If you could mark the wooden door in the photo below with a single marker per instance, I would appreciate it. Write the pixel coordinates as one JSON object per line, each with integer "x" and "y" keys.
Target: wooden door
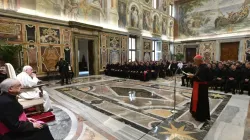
{"x": 229, "y": 51}
{"x": 190, "y": 54}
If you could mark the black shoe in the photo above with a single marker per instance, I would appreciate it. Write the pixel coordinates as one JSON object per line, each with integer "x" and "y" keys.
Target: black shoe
{"x": 241, "y": 92}
{"x": 182, "y": 85}
{"x": 226, "y": 91}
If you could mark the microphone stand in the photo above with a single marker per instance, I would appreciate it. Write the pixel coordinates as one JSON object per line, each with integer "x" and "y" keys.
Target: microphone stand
{"x": 174, "y": 110}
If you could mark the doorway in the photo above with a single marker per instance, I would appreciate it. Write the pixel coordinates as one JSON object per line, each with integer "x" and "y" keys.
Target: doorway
{"x": 229, "y": 51}
{"x": 85, "y": 57}
{"x": 190, "y": 54}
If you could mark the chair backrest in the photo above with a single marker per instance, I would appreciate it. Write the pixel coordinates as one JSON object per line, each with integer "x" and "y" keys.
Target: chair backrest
{"x": 10, "y": 71}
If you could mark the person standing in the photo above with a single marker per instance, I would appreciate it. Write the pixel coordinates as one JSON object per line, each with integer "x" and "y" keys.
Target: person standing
{"x": 63, "y": 67}
{"x": 199, "y": 107}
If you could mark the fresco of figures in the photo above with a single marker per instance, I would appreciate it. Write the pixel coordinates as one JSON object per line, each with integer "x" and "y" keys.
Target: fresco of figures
{"x": 146, "y": 20}
{"x": 206, "y": 17}
{"x": 122, "y": 22}
{"x": 125, "y": 14}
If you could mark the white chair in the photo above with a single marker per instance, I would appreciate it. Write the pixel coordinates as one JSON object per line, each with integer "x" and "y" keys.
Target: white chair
{"x": 37, "y": 103}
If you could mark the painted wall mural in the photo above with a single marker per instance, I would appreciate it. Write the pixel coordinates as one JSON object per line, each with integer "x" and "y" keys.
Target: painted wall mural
{"x": 36, "y": 39}
{"x": 147, "y": 50}
{"x": 125, "y": 14}
{"x": 146, "y": 20}
{"x": 50, "y": 56}
{"x": 165, "y": 51}
{"x": 156, "y": 24}
{"x": 49, "y": 35}
{"x": 113, "y": 49}
{"x": 32, "y": 57}
{"x": 122, "y": 8}
{"x": 207, "y": 49}
{"x": 134, "y": 16}
{"x": 210, "y": 17}
{"x": 11, "y": 31}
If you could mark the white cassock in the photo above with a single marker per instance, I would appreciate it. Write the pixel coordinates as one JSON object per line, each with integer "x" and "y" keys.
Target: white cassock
{"x": 33, "y": 93}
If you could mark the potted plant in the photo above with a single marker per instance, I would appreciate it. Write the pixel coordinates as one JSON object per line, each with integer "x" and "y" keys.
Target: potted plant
{"x": 10, "y": 53}
{"x": 179, "y": 57}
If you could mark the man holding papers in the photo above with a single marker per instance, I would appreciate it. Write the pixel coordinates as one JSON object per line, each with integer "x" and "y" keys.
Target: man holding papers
{"x": 199, "y": 107}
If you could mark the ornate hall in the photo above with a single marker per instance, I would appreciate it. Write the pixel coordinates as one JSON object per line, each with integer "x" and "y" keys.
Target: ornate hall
{"x": 124, "y": 69}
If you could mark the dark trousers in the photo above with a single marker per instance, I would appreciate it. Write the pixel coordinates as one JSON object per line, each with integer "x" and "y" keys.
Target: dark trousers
{"x": 230, "y": 85}
{"x": 38, "y": 134}
{"x": 183, "y": 78}
{"x": 244, "y": 85}
{"x": 64, "y": 75}
{"x": 219, "y": 83}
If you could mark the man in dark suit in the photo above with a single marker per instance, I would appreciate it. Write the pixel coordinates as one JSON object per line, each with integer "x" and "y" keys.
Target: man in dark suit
{"x": 231, "y": 79}
{"x": 14, "y": 125}
{"x": 63, "y": 67}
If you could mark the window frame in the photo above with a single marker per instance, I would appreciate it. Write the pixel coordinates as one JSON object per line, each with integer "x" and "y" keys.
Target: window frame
{"x": 132, "y": 49}
{"x": 170, "y": 10}
{"x": 155, "y": 51}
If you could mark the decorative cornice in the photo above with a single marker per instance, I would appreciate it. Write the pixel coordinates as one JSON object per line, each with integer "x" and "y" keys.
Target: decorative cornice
{"x": 22, "y": 16}
{"x": 74, "y": 24}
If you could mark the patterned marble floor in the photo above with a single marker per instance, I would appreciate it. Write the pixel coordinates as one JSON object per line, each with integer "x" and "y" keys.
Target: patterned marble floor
{"x": 115, "y": 108}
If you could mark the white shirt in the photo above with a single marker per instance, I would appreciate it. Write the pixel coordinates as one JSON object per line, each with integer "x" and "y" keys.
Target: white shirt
{"x": 180, "y": 65}
{"x": 26, "y": 80}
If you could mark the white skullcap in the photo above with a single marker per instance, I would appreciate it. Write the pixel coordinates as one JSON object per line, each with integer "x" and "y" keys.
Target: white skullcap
{"x": 25, "y": 68}
{"x": 7, "y": 83}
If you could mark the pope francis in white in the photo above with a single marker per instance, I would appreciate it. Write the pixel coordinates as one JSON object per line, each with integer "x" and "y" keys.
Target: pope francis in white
{"x": 28, "y": 79}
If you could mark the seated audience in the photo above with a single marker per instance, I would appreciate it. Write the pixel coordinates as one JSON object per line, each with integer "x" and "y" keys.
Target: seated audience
{"x": 231, "y": 79}
{"x": 219, "y": 78}
{"x": 245, "y": 77}
{"x": 28, "y": 79}
{"x": 14, "y": 125}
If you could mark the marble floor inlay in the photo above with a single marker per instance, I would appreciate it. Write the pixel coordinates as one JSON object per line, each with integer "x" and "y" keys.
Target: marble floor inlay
{"x": 146, "y": 106}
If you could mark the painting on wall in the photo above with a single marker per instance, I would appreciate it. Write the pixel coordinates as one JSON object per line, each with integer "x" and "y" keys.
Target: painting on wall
{"x": 124, "y": 43}
{"x": 122, "y": 22}
{"x": 9, "y": 4}
{"x": 134, "y": 11}
{"x": 32, "y": 57}
{"x": 124, "y": 56}
{"x": 114, "y": 42}
{"x": 30, "y": 33}
{"x": 104, "y": 58}
{"x": 49, "y": 35}
{"x": 10, "y": 31}
{"x": 164, "y": 26}
{"x": 147, "y": 56}
{"x": 66, "y": 36}
{"x": 205, "y": 17}
{"x": 50, "y": 56}
{"x": 156, "y": 24}
{"x": 114, "y": 56}
{"x": 146, "y": 20}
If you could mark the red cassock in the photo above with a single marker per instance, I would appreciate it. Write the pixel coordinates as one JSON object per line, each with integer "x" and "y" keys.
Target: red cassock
{"x": 199, "y": 106}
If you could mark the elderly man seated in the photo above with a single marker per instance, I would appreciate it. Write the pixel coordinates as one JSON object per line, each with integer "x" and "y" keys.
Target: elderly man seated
{"x": 14, "y": 125}
{"x": 28, "y": 79}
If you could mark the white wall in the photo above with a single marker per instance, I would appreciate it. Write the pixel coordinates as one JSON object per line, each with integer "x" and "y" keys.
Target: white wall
{"x": 83, "y": 50}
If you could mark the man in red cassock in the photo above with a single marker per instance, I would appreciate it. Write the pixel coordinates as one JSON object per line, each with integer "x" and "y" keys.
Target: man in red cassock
{"x": 199, "y": 107}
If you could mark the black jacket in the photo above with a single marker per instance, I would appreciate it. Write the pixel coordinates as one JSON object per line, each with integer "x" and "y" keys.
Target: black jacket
{"x": 10, "y": 110}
